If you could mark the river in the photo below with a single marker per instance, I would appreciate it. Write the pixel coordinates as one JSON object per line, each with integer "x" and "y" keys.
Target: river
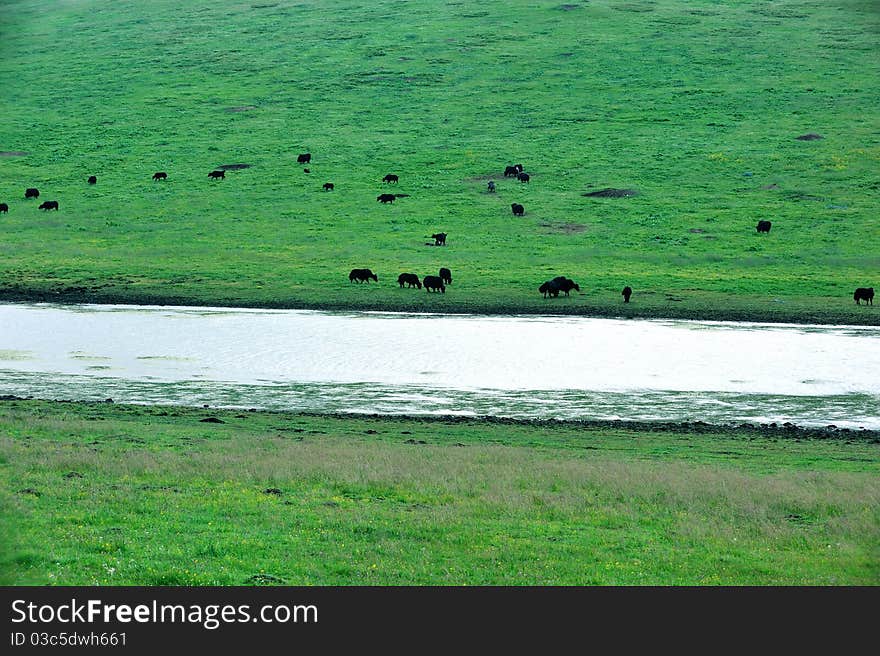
{"x": 513, "y": 366}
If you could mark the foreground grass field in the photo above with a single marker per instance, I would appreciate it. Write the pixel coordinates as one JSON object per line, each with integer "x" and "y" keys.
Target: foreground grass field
{"x": 109, "y": 494}
{"x": 696, "y": 105}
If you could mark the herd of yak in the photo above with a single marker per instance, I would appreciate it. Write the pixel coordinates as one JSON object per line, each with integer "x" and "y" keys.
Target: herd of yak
{"x": 550, "y": 288}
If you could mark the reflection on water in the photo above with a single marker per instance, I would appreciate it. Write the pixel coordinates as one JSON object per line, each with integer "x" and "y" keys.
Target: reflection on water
{"x": 522, "y": 367}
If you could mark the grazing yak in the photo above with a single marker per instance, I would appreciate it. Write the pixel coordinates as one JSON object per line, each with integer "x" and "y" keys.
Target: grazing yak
{"x": 409, "y": 279}
{"x": 565, "y": 284}
{"x": 31, "y": 192}
{"x": 4, "y": 208}
{"x": 434, "y": 283}
{"x": 93, "y": 179}
{"x": 864, "y": 293}
{"x": 439, "y": 239}
{"x": 549, "y": 288}
{"x": 362, "y": 275}
{"x": 305, "y": 158}
{"x": 763, "y": 226}
{"x": 446, "y": 275}
{"x": 385, "y": 198}
{"x": 518, "y": 209}
{"x": 523, "y": 177}
{"x": 216, "y": 175}
{"x": 627, "y": 292}
{"x": 328, "y": 186}
{"x": 509, "y": 171}
{"x": 160, "y": 175}
{"x": 49, "y": 205}
{"x": 491, "y": 187}
{"x": 390, "y": 178}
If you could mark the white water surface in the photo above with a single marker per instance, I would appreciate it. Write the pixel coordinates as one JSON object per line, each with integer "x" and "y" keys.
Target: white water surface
{"x": 518, "y": 366}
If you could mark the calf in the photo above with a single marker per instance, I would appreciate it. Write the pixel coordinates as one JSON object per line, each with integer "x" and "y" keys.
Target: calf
{"x": 217, "y": 175}
{"x": 160, "y": 175}
{"x": 549, "y": 288}
{"x": 93, "y": 179}
{"x": 434, "y": 283}
{"x": 864, "y": 293}
{"x": 390, "y": 178}
{"x": 305, "y": 158}
{"x": 385, "y": 198}
{"x": 439, "y": 239}
{"x": 408, "y": 279}
{"x": 446, "y": 275}
{"x": 763, "y": 226}
{"x": 518, "y": 209}
{"x": 49, "y": 205}
{"x": 31, "y": 192}
{"x": 523, "y": 177}
{"x": 491, "y": 186}
{"x": 362, "y": 275}
{"x": 328, "y": 186}
{"x": 627, "y": 292}
{"x": 4, "y": 208}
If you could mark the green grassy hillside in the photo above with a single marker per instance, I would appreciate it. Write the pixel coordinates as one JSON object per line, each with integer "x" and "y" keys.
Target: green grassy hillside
{"x": 696, "y": 105}
{"x": 104, "y": 494}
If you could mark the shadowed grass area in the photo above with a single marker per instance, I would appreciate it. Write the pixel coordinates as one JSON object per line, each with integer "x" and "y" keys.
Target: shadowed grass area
{"x": 696, "y": 105}
{"x": 108, "y": 494}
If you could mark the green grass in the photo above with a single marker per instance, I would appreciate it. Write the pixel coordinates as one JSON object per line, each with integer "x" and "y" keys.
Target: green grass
{"x": 109, "y": 494}
{"x": 695, "y": 104}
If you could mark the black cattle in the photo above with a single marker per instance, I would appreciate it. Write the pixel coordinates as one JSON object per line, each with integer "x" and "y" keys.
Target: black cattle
{"x": 305, "y": 158}
{"x": 4, "y": 208}
{"x": 439, "y": 239}
{"x": 306, "y": 171}
{"x": 49, "y": 205}
{"x": 549, "y": 288}
{"x": 763, "y": 226}
{"x": 92, "y": 179}
{"x": 160, "y": 175}
{"x": 517, "y": 209}
{"x": 446, "y": 275}
{"x": 408, "y": 279}
{"x": 362, "y": 275}
{"x": 216, "y": 175}
{"x": 523, "y": 177}
{"x": 328, "y": 186}
{"x": 510, "y": 171}
{"x": 31, "y": 192}
{"x": 385, "y": 198}
{"x": 565, "y": 284}
{"x": 491, "y": 187}
{"x": 434, "y": 283}
{"x": 390, "y": 178}
{"x": 864, "y": 294}
{"x": 627, "y": 292}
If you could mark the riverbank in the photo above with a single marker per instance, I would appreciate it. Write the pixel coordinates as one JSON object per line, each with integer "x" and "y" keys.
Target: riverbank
{"x": 687, "y": 306}
{"x": 103, "y": 493}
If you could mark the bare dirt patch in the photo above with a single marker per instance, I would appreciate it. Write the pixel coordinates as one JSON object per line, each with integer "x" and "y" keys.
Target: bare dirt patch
{"x": 233, "y": 167}
{"x": 13, "y": 153}
{"x": 562, "y": 227}
{"x": 810, "y": 136}
{"x": 241, "y": 108}
{"x": 611, "y": 192}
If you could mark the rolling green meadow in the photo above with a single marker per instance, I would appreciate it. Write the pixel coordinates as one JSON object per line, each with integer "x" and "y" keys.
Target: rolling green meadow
{"x": 696, "y": 105}
{"x": 106, "y": 494}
